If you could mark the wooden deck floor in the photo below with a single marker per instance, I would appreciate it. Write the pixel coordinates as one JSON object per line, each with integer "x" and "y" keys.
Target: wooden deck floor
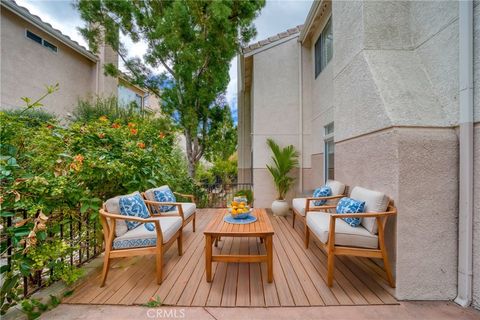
{"x": 299, "y": 275}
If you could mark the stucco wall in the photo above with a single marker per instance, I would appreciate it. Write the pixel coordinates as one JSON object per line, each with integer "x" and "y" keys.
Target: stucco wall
{"x": 400, "y": 75}
{"x": 27, "y": 67}
{"x": 275, "y": 111}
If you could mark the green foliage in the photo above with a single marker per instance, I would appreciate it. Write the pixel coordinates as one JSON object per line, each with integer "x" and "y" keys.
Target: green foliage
{"x": 284, "y": 160}
{"x": 154, "y": 302}
{"x": 245, "y": 193}
{"x": 47, "y": 169}
{"x": 33, "y": 308}
{"x": 88, "y": 110}
{"x": 193, "y": 41}
{"x": 220, "y": 172}
{"x": 222, "y": 133}
{"x": 36, "y": 116}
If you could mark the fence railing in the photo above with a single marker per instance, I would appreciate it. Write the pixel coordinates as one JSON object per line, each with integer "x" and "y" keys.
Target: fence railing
{"x": 220, "y": 195}
{"x": 79, "y": 231}
{"x": 82, "y": 232}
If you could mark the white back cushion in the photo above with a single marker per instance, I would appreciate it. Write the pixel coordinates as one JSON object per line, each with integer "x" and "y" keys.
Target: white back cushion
{"x": 375, "y": 201}
{"x": 337, "y": 187}
{"x": 113, "y": 206}
{"x": 149, "y": 194}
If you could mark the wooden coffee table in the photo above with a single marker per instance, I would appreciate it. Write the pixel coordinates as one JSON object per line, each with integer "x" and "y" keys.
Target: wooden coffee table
{"x": 262, "y": 228}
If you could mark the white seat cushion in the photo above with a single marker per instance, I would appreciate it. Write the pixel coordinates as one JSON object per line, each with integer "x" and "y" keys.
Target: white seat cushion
{"x": 299, "y": 205}
{"x": 345, "y": 235}
{"x": 141, "y": 237}
{"x": 375, "y": 201}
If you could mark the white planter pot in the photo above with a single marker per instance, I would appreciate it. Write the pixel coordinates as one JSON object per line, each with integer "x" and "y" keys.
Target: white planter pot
{"x": 280, "y": 208}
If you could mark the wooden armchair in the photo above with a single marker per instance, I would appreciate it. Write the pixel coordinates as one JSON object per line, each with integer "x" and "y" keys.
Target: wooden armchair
{"x": 139, "y": 241}
{"x": 186, "y": 210}
{"x": 362, "y": 241}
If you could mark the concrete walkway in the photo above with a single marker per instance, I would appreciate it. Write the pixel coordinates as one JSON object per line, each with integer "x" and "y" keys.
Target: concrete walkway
{"x": 418, "y": 310}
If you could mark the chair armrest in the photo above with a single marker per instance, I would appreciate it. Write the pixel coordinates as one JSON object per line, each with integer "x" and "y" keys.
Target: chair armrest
{"x": 325, "y": 198}
{"x": 128, "y": 218}
{"x": 363, "y": 214}
{"x": 188, "y": 196}
{"x": 315, "y": 208}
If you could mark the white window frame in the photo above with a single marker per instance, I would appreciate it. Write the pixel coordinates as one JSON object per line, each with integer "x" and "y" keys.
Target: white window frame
{"x": 328, "y": 137}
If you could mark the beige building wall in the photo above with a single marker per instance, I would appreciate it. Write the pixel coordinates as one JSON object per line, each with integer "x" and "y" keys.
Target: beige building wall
{"x": 275, "y": 111}
{"x": 391, "y": 90}
{"x": 27, "y": 67}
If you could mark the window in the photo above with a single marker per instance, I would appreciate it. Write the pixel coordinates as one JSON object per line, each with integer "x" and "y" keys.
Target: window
{"x": 49, "y": 46}
{"x": 128, "y": 98}
{"x": 32, "y": 36}
{"x": 324, "y": 48}
{"x": 329, "y": 153}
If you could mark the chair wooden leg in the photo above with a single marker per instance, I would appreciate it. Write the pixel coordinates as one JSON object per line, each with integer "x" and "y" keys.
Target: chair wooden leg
{"x": 180, "y": 243}
{"x": 159, "y": 261}
{"x": 293, "y": 220}
{"x": 388, "y": 268}
{"x": 307, "y": 236}
{"x": 193, "y": 222}
{"x": 106, "y": 266}
{"x": 331, "y": 268}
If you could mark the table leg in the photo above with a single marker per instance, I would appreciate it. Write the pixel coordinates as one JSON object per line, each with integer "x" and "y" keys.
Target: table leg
{"x": 208, "y": 257}
{"x": 269, "y": 247}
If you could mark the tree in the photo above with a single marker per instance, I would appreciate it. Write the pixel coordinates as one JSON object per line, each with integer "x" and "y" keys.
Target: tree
{"x": 222, "y": 137}
{"x": 193, "y": 41}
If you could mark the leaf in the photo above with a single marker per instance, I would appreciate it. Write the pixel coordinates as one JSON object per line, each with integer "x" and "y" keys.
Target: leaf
{"x": 25, "y": 268}
{"x": 6, "y": 214}
{"x": 68, "y": 293}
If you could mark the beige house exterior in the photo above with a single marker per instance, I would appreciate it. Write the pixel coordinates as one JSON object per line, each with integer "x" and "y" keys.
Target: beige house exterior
{"x": 385, "y": 108}
{"x": 34, "y": 55}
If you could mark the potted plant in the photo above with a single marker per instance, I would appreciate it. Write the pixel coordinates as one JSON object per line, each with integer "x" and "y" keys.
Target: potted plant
{"x": 284, "y": 160}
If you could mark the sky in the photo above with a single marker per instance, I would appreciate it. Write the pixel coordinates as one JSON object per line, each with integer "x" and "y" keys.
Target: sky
{"x": 277, "y": 16}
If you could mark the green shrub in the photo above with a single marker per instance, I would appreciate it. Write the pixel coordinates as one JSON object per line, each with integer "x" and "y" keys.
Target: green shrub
{"x": 46, "y": 168}
{"x": 91, "y": 110}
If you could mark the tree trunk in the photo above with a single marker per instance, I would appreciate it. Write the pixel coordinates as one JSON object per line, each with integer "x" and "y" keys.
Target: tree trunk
{"x": 190, "y": 155}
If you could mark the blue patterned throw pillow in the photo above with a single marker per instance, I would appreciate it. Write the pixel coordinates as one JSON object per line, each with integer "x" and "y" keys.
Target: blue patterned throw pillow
{"x": 349, "y": 205}
{"x": 149, "y": 226}
{"x": 165, "y": 195}
{"x": 323, "y": 191}
{"x": 133, "y": 206}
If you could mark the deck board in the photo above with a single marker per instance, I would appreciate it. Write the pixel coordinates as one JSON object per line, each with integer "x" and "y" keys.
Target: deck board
{"x": 299, "y": 275}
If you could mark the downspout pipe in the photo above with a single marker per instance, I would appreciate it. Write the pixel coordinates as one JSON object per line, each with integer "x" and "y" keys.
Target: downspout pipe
{"x": 465, "y": 219}
{"x": 300, "y": 118}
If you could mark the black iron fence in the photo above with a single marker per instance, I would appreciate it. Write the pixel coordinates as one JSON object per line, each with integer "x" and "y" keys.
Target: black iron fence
{"x": 83, "y": 234}
{"x": 79, "y": 231}
{"x": 220, "y": 195}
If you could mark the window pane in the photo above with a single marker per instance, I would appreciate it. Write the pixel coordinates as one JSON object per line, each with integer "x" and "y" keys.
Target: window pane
{"x": 327, "y": 44}
{"x": 34, "y": 37}
{"x": 330, "y": 158}
{"x": 49, "y": 45}
{"x": 318, "y": 56}
{"x": 329, "y": 128}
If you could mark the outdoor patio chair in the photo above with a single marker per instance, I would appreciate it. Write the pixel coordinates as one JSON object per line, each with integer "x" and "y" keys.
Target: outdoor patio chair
{"x": 139, "y": 233}
{"x": 186, "y": 210}
{"x": 365, "y": 240}
{"x": 302, "y": 205}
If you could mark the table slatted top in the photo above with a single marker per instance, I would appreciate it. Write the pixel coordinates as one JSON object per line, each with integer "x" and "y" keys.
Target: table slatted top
{"x": 260, "y": 227}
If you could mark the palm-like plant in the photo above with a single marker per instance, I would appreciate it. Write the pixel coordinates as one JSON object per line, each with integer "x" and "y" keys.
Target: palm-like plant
{"x": 284, "y": 160}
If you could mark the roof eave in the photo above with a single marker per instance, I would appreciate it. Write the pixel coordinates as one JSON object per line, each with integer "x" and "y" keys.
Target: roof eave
{"x": 309, "y": 20}
{"x": 26, "y": 15}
